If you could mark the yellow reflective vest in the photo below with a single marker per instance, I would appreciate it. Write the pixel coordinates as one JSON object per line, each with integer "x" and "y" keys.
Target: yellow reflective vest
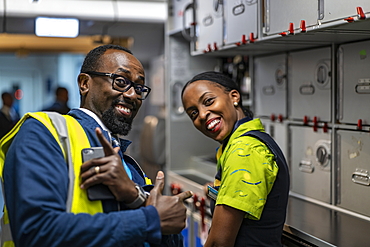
{"x": 72, "y": 139}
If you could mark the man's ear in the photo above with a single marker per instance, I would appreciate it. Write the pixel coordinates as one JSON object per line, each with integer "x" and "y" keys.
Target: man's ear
{"x": 83, "y": 83}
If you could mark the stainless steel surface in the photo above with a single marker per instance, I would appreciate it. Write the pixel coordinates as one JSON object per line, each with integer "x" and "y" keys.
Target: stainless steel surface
{"x": 270, "y": 85}
{"x": 309, "y": 176}
{"x": 326, "y": 226}
{"x": 354, "y": 170}
{"x": 209, "y": 19}
{"x": 279, "y": 17}
{"x": 241, "y": 18}
{"x": 310, "y": 84}
{"x": 354, "y": 80}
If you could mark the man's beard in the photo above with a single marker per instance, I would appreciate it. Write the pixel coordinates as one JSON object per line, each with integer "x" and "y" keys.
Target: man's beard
{"x": 116, "y": 123}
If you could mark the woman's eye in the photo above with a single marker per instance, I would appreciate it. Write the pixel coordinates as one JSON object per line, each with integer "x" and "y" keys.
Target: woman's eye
{"x": 193, "y": 114}
{"x": 208, "y": 101}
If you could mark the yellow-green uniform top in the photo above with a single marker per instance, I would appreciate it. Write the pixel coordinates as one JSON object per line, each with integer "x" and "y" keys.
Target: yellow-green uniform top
{"x": 248, "y": 171}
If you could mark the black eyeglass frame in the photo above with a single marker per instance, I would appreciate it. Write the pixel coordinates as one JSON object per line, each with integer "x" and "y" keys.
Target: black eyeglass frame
{"x": 131, "y": 83}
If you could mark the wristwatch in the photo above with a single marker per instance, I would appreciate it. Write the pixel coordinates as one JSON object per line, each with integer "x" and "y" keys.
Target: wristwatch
{"x": 141, "y": 198}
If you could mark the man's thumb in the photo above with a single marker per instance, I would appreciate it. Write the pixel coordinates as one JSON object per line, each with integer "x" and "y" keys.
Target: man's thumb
{"x": 159, "y": 182}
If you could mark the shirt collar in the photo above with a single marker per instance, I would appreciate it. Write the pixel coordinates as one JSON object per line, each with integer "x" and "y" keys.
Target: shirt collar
{"x": 124, "y": 142}
{"x": 94, "y": 116}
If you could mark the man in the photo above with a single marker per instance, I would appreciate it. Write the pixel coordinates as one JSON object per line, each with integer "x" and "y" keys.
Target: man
{"x": 8, "y": 116}
{"x": 61, "y": 101}
{"x": 36, "y": 175}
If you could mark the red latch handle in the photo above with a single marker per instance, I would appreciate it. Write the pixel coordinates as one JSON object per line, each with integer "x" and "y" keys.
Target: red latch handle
{"x": 280, "y": 117}
{"x": 272, "y": 117}
{"x": 291, "y": 28}
{"x": 251, "y": 38}
{"x": 305, "y": 120}
{"x": 359, "y": 124}
{"x": 315, "y": 123}
{"x": 303, "y": 26}
{"x": 360, "y": 13}
{"x": 215, "y": 48}
{"x": 349, "y": 19}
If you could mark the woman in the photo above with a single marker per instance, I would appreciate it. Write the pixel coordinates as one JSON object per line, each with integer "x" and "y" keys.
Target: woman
{"x": 251, "y": 183}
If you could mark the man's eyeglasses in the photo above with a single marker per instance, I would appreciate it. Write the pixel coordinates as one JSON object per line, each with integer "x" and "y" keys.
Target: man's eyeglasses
{"x": 123, "y": 84}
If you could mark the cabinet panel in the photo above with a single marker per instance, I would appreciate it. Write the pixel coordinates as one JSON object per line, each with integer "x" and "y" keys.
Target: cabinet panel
{"x": 341, "y": 9}
{"x": 354, "y": 81}
{"x": 181, "y": 17}
{"x": 310, "y": 163}
{"x": 241, "y": 18}
{"x": 279, "y": 13}
{"x": 310, "y": 84}
{"x": 354, "y": 151}
{"x": 209, "y": 19}
{"x": 270, "y": 84}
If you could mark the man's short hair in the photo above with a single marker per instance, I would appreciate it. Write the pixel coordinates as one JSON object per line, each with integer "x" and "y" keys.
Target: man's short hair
{"x": 92, "y": 60}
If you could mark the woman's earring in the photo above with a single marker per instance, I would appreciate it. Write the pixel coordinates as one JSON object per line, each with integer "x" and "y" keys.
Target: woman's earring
{"x": 235, "y": 104}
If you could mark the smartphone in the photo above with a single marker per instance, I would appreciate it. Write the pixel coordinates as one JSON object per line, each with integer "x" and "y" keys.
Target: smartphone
{"x": 98, "y": 191}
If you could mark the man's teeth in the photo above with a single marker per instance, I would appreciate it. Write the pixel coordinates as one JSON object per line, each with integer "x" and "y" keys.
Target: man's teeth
{"x": 123, "y": 109}
{"x": 213, "y": 123}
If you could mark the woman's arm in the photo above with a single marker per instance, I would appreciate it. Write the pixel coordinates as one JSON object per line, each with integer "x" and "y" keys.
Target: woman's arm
{"x": 226, "y": 223}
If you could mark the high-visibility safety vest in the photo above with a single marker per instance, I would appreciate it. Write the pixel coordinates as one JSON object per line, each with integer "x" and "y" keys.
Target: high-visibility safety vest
{"x": 71, "y": 138}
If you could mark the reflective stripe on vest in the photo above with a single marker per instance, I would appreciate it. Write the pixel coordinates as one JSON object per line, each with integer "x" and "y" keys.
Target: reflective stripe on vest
{"x": 72, "y": 139}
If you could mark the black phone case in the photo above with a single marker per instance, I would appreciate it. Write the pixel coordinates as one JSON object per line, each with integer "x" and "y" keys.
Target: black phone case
{"x": 98, "y": 191}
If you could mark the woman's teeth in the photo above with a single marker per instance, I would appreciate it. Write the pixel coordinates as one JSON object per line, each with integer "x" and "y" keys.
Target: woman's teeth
{"x": 212, "y": 124}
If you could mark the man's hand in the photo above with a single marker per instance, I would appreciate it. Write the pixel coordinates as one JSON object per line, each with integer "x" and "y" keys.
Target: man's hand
{"x": 171, "y": 209}
{"x": 110, "y": 172}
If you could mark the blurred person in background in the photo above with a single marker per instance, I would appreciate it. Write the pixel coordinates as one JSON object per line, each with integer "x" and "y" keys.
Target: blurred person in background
{"x": 61, "y": 101}
{"x": 8, "y": 116}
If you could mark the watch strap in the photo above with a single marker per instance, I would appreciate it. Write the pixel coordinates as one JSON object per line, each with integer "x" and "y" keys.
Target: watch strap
{"x": 141, "y": 198}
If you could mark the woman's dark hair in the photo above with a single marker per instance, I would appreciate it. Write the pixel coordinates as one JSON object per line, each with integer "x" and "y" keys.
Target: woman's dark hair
{"x": 92, "y": 60}
{"x": 221, "y": 80}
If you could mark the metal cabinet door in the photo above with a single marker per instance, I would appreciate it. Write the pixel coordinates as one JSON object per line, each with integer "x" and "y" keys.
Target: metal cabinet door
{"x": 310, "y": 84}
{"x": 341, "y": 9}
{"x": 310, "y": 163}
{"x": 278, "y": 131}
{"x": 354, "y": 83}
{"x": 179, "y": 13}
{"x": 241, "y": 18}
{"x": 209, "y": 19}
{"x": 354, "y": 187}
{"x": 270, "y": 83}
{"x": 279, "y": 13}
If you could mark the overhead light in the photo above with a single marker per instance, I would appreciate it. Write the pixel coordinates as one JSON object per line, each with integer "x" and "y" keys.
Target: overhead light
{"x": 57, "y": 27}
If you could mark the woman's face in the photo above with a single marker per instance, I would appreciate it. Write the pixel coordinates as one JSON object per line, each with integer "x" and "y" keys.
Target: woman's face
{"x": 211, "y": 109}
